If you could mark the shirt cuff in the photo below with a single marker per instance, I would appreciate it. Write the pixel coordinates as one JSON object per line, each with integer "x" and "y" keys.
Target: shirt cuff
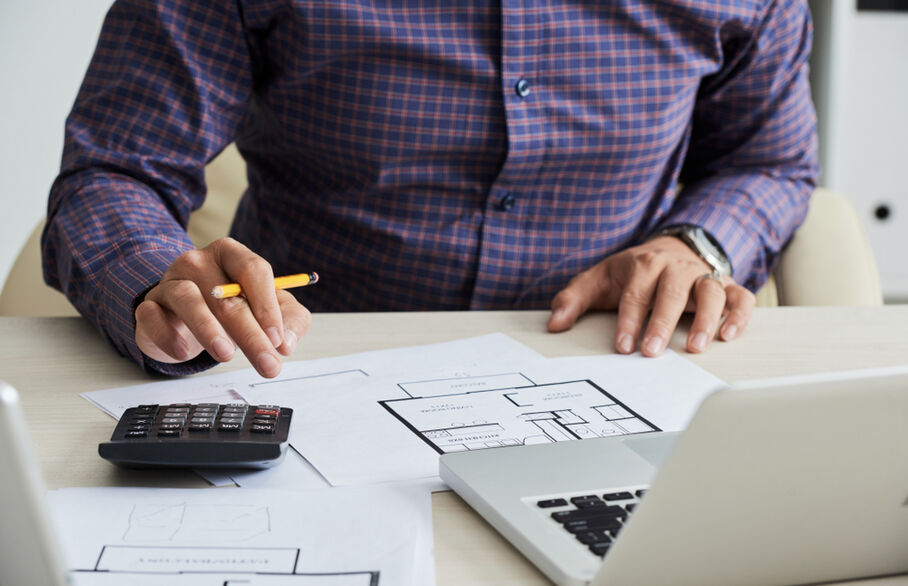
{"x": 751, "y": 216}
{"x": 123, "y": 289}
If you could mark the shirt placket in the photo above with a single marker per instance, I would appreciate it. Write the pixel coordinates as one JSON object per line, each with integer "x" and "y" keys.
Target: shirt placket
{"x": 502, "y": 243}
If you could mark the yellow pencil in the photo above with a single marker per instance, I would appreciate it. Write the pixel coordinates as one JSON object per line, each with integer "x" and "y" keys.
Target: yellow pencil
{"x": 288, "y": 282}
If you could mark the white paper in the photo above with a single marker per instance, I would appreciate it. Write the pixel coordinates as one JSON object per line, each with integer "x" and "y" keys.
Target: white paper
{"x": 333, "y": 537}
{"x": 293, "y": 473}
{"x": 393, "y": 428}
{"x": 247, "y": 384}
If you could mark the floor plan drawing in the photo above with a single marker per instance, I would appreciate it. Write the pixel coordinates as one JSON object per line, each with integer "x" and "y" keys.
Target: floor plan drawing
{"x": 474, "y": 413}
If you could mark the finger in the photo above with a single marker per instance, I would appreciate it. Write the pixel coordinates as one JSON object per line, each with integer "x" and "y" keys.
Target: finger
{"x": 740, "y": 305}
{"x": 709, "y": 296}
{"x": 297, "y": 320}
{"x": 635, "y": 303}
{"x": 236, "y": 316}
{"x": 573, "y": 301}
{"x": 187, "y": 303}
{"x": 671, "y": 297}
{"x": 255, "y": 276}
{"x": 162, "y": 336}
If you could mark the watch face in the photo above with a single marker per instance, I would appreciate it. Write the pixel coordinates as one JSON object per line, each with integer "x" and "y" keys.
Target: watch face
{"x": 710, "y": 251}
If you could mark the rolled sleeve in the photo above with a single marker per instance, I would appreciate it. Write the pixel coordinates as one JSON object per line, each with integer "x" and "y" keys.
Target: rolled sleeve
{"x": 166, "y": 89}
{"x": 752, "y": 161}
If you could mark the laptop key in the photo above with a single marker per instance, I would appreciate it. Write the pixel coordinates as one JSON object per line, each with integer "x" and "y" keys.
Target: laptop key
{"x": 599, "y": 523}
{"x": 611, "y": 511}
{"x": 548, "y": 503}
{"x": 618, "y": 496}
{"x": 585, "y": 502}
{"x": 600, "y": 549}
{"x": 590, "y": 537}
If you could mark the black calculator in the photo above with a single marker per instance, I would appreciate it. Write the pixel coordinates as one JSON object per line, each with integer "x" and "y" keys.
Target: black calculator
{"x": 202, "y": 435}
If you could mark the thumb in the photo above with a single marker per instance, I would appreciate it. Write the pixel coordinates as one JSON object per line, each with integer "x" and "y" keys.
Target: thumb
{"x": 572, "y": 302}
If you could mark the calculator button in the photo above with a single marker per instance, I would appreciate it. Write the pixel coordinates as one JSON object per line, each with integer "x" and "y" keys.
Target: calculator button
{"x": 200, "y": 427}
{"x": 229, "y": 427}
{"x": 263, "y": 414}
{"x": 272, "y": 407}
{"x": 202, "y": 420}
{"x": 169, "y": 432}
{"x": 146, "y": 408}
{"x": 138, "y": 427}
{"x": 179, "y": 420}
{"x": 171, "y": 426}
{"x": 231, "y": 420}
{"x": 136, "y": 433}
{"x": 176, "y": 412}
{"x": 261, "y": 429}
{"x": 547, "y": 503}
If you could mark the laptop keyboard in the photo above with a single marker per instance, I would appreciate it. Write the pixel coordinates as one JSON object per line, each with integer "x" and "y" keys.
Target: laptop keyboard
{"x": 594, "y": 519}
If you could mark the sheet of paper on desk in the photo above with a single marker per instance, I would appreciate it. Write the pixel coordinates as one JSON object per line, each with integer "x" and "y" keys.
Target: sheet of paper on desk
{"x": 211, "y": 537}
{"x": 233, "y": 386}
{"x": 394, "y": 428}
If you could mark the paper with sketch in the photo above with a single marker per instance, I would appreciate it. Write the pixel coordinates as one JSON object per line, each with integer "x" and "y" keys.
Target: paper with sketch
{"x": 394, "y": 428}
{"x": 210, "y": 537}
{"x": 233, "y": 386}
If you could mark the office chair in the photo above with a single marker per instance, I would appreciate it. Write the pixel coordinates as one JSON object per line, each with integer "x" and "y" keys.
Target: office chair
{"x": 828, "y": 262}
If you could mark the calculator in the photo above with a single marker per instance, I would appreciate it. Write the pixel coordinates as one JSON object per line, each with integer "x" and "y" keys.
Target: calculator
{"x": 202, "y": 435}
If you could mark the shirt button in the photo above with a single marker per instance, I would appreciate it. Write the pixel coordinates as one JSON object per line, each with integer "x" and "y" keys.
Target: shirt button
{"x": 522, "y": 88}
{"x": 506, "y": 202}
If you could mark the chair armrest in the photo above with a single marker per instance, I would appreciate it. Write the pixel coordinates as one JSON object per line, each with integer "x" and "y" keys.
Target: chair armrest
{"x": 829, "y": 260}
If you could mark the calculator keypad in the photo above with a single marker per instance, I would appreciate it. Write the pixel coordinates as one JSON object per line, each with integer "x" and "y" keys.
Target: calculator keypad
{"x": 199, "y": 435}
{"x": 170, "y": 421}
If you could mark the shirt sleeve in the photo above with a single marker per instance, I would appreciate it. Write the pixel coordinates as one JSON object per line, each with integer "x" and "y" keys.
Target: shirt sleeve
{"x": 165, "y": 92}
{"x": 752, "y": 161}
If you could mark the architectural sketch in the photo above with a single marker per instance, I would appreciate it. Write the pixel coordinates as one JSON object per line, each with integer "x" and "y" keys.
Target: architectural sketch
{"x": 475, "y": 413}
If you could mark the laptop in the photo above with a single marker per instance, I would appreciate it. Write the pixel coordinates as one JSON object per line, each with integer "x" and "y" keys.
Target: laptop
{"x": 780, "y": 482}
{"x": 29, "y": 553}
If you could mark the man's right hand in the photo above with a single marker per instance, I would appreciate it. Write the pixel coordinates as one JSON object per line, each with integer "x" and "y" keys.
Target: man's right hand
{"x": 179, "y": 318}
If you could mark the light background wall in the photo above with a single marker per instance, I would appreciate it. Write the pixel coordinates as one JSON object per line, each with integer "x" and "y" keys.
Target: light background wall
{"x": 45, "y": 46}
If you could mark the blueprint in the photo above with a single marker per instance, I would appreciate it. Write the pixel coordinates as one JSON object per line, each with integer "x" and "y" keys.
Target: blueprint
{"x": 213, "y": 537}
{"x": 519, "y": 413}
{"x": 300, "y": 379}
{"x": 393, "y": 428}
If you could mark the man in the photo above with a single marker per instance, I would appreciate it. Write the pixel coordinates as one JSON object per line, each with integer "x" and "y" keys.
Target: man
{"x": 433, "y": 155}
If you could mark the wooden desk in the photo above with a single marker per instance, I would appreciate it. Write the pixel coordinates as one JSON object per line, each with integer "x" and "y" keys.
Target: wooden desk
{"x": 51, "y": 360}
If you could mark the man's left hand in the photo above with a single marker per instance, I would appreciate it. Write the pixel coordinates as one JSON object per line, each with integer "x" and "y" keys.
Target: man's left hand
{"x": 662, "y": 279}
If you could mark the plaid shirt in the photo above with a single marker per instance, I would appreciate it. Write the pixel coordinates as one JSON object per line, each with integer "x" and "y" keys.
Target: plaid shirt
{"x": 431, "y": 154}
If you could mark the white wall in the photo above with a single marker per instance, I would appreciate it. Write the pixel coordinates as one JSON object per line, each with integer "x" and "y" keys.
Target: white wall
{"x": 860, "y": 85}
{"x": 45, "y": 47}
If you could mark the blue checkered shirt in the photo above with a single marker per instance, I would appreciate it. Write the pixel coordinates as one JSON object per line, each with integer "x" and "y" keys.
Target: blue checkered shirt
{"x": 431, "y": 154}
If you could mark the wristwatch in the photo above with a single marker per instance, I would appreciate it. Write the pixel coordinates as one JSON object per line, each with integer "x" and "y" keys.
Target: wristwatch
{"x": 701, "y": 242}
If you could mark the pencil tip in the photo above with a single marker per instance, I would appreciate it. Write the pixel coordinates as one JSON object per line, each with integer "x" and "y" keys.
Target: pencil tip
{"x": 313, "y": 278}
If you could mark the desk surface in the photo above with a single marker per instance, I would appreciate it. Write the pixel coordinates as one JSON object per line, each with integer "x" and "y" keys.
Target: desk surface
{"x": 51, "y": 360}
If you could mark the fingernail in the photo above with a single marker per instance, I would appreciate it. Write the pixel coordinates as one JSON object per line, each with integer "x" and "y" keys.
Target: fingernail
{"x": 274, "y": 336}
{"x": 223, "y": 349}
{"x": 290, "y": 339}
{"x": 654, "y": 345}
{"x": 268, "y": 364}
{"x": 729, "y": 331}
{"x": 699, "y": 342}
{"x": 625, "y": 343}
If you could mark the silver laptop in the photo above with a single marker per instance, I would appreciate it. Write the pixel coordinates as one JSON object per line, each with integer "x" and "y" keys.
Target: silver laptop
{"x": 777, "y": 483}
{"x": 29, "y": 553}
